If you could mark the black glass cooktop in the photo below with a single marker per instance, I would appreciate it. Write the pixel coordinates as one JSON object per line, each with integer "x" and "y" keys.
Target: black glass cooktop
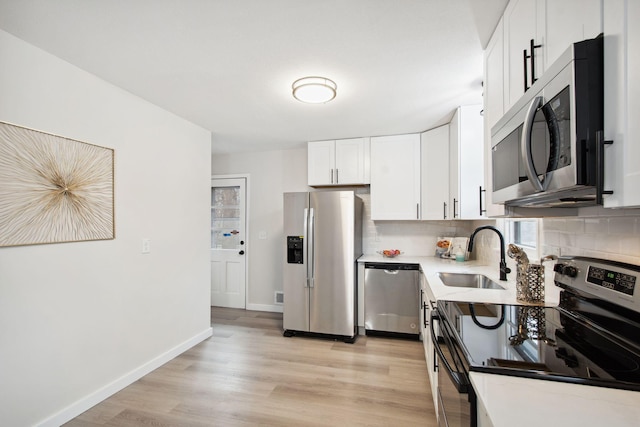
{"x": 575, "y": 345}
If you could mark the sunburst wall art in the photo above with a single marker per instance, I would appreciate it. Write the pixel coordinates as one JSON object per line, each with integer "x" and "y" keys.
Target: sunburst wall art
{"x": 53, "y": 189}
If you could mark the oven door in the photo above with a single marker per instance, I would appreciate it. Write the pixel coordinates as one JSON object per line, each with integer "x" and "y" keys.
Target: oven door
{"x": 456, "y": 398}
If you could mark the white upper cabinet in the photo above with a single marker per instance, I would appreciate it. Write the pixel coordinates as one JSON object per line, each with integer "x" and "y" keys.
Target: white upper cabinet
{"x": 435, "y": 173}
{"x": 493, "y": 109}
{"x": 352, "y": 161}
{"x": 339, "y": 162}
{"x": 466, "y": 163}
{"x": 622, "y": 102}
{"x": 567, "y": 22}
{"x": 395, "y": 177}
{"x": 537, "y": 32}
{"x": 553, "y": 25}
{"x": 520, "y": 18}
{"x": 321, "y": 162}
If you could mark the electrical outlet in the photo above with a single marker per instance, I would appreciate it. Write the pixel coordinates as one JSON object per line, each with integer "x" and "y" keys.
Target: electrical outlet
{"x": 146, "y": 246}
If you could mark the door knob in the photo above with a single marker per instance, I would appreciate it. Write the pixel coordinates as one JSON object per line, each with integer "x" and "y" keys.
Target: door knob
{"x": 241, "y": 252}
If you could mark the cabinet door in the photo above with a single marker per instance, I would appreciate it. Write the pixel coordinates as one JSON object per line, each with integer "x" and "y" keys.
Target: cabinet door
{"x": 493, "y": 109}
{"x": 622, "y": 102}
{"x": 395, "y": 177}
{"x": 454, "y": 149}
{"x": 520, "y": 19}
{"x": 567, "y": 22}
{"x": 429, "y": 349}
{"x": 321, "y": 162}
{"x": 350, "y": 166}
{"x": 434, "y": 149}
{"x": 470, "y": 162}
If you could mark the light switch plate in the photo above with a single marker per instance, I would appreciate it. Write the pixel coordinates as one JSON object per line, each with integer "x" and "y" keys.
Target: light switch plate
{"x": 146, "y": 246}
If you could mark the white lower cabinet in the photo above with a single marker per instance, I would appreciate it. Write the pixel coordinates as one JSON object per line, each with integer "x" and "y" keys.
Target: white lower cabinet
{"x": 427, "y": 303}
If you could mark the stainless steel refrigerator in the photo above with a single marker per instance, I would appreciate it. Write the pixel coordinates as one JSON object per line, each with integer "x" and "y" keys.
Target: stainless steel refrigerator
{"x": 323, "y": 240}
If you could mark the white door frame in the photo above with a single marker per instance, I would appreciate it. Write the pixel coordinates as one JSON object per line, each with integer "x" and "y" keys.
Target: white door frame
{"x": 247, "y": 250}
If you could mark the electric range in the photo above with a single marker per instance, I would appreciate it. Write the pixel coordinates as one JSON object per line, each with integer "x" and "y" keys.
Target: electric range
{"x": 592, "y": 337}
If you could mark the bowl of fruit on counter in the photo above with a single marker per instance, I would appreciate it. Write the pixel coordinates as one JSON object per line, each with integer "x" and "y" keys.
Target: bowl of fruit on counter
{"x": 390, "y": 253}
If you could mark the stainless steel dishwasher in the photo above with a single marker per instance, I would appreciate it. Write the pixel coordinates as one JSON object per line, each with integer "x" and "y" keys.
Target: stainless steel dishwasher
{"x": 391, "y": 298}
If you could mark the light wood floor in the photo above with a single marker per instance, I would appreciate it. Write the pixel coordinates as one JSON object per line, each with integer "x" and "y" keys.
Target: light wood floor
{"x": 248, "y": 374}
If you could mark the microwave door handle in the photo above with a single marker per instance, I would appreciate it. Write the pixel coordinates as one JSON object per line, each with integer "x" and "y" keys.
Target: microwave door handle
{"x": 554, "y": 144}
{"x": 525, "y": 145}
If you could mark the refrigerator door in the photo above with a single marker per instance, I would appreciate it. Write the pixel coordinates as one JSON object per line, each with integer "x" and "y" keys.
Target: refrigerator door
{"x": 295, "y": 275}
{"x": 332, "y": 295}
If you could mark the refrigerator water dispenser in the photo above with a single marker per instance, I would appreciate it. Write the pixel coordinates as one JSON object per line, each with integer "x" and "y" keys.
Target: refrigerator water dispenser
{"x": 295, "y": 252}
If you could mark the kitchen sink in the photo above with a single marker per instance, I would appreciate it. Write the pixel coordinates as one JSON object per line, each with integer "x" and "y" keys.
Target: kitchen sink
{"x": 467, "y": 280}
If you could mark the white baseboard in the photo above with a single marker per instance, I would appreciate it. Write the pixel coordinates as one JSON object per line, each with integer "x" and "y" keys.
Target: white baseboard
{"x": 101, "y": 394}
{"x": 274, "y": 308}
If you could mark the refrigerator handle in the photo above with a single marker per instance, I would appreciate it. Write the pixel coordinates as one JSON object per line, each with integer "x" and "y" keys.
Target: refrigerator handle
{"x": 306, "y": 249}
{"x": 310, "y": 254}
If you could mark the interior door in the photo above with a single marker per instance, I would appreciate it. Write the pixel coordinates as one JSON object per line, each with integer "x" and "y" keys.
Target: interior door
{"x": 228, "y": 242}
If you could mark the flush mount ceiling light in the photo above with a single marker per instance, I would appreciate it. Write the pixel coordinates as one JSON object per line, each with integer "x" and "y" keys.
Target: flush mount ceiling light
{"x": 314, "y": 90}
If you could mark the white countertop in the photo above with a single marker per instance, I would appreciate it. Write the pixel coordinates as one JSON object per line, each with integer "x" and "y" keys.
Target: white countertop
{"x": 431, "y": 266}
{"x": 511, "y": 401}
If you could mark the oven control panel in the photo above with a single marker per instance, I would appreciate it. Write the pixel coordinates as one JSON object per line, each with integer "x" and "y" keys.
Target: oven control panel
{"x": 611, "y": 279}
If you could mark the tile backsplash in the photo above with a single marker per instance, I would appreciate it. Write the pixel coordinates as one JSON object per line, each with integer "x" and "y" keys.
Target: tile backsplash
{"x": 413, "y": 238}
{"x": 613, "y": 235}
{"x": 599, "y": 233}
{"x": 609, "y": 237}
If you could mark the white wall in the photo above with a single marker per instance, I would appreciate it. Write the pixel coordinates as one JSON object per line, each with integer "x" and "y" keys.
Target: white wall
{"x": 271, "y": 173}
{"x": 78, "y": 321}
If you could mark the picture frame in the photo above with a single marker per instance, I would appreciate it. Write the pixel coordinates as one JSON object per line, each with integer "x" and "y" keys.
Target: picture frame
{"x": 53, "y": 189}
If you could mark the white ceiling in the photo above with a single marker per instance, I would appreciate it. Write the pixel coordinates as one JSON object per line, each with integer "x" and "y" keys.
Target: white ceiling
{"x": 401, "y": 66}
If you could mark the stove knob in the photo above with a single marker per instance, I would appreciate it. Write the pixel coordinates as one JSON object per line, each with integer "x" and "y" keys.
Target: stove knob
{"x": 570, "y": 271}
{"x": 565, "y": 269}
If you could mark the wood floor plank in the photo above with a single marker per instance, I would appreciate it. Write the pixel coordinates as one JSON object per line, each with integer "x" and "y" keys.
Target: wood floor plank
{"x": 248, "y": 374}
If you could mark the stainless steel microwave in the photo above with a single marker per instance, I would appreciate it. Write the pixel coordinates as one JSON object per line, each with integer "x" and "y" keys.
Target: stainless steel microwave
{"x": 544, "y": 150}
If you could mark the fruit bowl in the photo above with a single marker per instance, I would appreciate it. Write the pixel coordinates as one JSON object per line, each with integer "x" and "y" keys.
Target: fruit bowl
{"x": 390, "y": 253}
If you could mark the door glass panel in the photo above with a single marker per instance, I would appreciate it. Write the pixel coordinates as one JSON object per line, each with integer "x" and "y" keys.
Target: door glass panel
{"x": 225, "y": 217}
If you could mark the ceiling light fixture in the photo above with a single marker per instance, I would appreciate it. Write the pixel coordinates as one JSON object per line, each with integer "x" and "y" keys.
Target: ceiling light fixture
{"x": 314, "y": 90}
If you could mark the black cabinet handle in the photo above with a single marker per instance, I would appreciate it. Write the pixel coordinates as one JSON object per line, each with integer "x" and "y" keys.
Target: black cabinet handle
{"x": 444, "y": 210}
{"x": 455, "y": 202}
{"x": 600, "y": 143}
{"x": 241, "y": 252}
{"x": 480, "y": 200}
{"x": 524, "y": 61}
{"x": 533, "y": 47}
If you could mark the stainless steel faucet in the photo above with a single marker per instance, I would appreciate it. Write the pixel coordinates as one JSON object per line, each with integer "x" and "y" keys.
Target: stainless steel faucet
{"x": 503, "y": 263}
